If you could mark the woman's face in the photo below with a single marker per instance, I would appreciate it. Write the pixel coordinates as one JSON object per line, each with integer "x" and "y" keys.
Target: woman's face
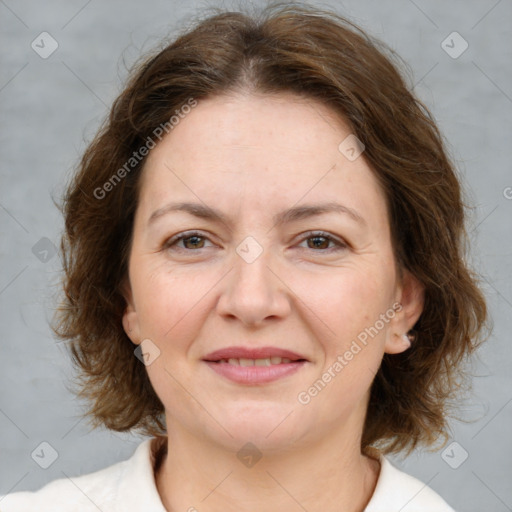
{"x": 298, "y": 301}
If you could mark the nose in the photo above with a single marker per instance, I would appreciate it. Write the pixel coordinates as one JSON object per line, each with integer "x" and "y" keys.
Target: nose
{"x": 253, "y": 291}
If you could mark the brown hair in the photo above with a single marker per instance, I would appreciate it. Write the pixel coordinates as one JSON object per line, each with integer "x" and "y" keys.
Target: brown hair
{"x": 320, "y": 55}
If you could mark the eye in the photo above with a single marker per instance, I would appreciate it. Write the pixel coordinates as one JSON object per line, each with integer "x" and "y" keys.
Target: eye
{"x": 191, "y": 240}
{"x": 321, "y": 240}
{"x": 194, "y": 240}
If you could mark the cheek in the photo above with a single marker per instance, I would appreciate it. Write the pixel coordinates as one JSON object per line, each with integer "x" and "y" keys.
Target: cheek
{"x": 354, "y": 305}
{"x": 173, "y": 308}
{"x": 354, "y": 301}
{"x": 354, "y": 354}
{"x": 168, "y": 299}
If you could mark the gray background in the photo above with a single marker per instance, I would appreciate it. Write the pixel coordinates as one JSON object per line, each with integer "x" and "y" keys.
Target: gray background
{"x": 51, "y": 107}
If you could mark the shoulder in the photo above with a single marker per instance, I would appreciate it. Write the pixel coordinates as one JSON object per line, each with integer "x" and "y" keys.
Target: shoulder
{"x": 398, "y": 491}
{"x": 128, "y": 482}
{"x": 84, "y": 493}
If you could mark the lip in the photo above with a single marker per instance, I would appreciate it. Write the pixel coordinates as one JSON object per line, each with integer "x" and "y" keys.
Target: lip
{"x": 252, "y": 353}
{"x": 253, "y": 375}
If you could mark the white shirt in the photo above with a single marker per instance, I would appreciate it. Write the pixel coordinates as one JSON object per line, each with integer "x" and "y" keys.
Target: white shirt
{"x": 129, "y": 486}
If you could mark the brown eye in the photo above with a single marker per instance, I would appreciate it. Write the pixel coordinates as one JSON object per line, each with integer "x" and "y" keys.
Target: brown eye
{"x": 320, "y": 242}
{"x": 191, "y": 241}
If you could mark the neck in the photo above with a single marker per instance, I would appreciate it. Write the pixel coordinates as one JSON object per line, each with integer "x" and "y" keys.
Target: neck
{"x": 329, "y": 475}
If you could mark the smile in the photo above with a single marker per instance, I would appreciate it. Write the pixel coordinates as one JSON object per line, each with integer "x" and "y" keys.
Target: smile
{"x": 253, "y": 366}
{"x": 255, "y": 362}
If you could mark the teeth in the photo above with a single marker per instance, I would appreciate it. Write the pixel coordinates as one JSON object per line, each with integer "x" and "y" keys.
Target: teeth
{"x": 256, "y": 362}
{"x": 262, "y": 362}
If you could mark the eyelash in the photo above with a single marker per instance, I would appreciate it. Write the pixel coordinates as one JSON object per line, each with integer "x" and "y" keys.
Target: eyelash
{"x": 312, "y": 234}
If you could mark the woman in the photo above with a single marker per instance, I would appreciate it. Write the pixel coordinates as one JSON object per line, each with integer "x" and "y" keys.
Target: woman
{"x": 264, "y": 272}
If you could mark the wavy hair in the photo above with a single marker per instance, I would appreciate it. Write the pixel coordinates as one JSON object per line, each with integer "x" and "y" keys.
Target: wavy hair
{"x": 323, "y": 56}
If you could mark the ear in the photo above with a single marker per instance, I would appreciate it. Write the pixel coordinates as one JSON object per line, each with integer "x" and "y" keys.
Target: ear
{"x": 411, "y": 296}
{"x": 130, "y": 319}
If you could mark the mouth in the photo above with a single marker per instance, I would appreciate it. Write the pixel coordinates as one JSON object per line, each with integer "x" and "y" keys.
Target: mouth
{"x": 256, "y": 365}
{"x": 268, "y": 361}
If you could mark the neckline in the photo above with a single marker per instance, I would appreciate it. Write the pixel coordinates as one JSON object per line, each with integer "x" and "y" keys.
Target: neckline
{"x": 159, "y": 447}
{"x": 158, "y": 452}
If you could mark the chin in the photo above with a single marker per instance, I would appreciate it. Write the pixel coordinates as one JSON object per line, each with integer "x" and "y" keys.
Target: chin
{"x": 268, "y": 426}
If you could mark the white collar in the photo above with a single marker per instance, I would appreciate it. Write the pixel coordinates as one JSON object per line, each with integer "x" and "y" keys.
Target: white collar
{"x": 395, "y": 490}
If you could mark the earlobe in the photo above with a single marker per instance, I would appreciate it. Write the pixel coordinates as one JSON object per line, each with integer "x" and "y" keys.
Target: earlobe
{"x": 412, "y": 299}
{"x": 399, "y": 344}
{"x": 130, "y": 325}
{"x": 130, "y": 320}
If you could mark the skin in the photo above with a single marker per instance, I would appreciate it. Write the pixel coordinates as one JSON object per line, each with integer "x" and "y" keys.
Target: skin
{"x": 252, "y": 156}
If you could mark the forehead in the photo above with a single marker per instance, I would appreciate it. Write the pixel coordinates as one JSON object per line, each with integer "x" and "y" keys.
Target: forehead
{"x": 258, "y": 150}
{"x": 282, "y": 124}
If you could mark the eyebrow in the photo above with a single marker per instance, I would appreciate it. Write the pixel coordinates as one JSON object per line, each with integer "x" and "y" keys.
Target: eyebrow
{"x": 293, "y": 214}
